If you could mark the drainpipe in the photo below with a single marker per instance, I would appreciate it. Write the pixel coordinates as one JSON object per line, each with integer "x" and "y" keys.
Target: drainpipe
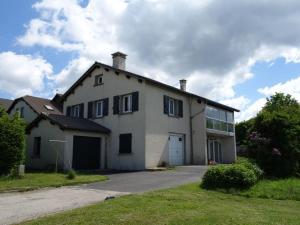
{"x": 191, "y": 131}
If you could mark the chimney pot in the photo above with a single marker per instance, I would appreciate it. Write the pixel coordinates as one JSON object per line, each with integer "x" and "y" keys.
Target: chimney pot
{"x": 119, "y": 60}
{"x": 182, "y": 84}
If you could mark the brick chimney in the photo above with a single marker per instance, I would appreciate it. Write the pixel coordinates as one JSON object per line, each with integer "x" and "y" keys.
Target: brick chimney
{"x": 119, "y": 60}
{"x": 182, "y": 84}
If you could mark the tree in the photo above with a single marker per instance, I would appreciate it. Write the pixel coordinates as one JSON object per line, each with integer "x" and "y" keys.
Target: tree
{"x": 275, "y": 142}
{"x": 12, "y": 142}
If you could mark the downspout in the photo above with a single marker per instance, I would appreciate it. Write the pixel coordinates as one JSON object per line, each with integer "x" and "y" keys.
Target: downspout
{"x": 191, "y": 130}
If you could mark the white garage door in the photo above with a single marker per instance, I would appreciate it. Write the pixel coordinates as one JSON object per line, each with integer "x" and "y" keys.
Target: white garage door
{"x": 176, "y": 150}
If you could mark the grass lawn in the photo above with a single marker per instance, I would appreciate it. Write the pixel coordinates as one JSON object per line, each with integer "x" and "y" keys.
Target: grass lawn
{"x": 33, "y": 181}
{"x": 187, "y": 204}
{"x": 275, "y": 189}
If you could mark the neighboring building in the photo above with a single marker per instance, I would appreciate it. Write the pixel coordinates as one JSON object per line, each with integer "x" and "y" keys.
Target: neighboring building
{"x": 115, "y": 119}
{"x": 5, "y": 103}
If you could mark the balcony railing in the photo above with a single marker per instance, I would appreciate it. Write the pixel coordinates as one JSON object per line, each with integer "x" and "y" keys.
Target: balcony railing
{"x": 219, "y": 125}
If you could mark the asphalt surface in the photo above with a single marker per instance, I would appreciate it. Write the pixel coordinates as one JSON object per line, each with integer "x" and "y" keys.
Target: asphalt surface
{"x": 17, "y": 207}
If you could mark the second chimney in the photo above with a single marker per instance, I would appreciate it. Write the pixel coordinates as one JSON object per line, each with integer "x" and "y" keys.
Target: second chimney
{"x": 182, "y": 84}
{"x": 119, "y": 60}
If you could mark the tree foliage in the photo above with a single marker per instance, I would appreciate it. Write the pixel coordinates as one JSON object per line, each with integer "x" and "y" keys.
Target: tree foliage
{"x": 12, "y": 141}
{"x": 273, "y": 139}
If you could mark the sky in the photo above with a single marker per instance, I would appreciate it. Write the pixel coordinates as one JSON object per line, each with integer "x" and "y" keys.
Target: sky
{"x": 235, "y": 52}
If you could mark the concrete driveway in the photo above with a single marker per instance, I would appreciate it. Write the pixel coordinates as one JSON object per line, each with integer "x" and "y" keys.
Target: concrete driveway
{"x": 17, "y": 207}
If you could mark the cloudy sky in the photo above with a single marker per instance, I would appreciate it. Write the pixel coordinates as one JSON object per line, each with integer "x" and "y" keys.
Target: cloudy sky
{"x": 236, "y": 52}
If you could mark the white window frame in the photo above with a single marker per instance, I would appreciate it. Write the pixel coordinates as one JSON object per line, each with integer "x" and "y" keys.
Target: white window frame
{"x": 129, "y": 103}
{"x": 75, "y": 111}
{"x": 173, "y": 108}
{"x": 99, "y": 111}
{"x": 98, "y": 78}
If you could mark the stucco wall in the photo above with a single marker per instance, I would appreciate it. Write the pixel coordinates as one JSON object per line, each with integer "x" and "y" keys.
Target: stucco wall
{"x": 159, "y": 126}
{"x": 134, "y": 123}
{"x": 29, "y": 114}
{"x": 47, "y": 132}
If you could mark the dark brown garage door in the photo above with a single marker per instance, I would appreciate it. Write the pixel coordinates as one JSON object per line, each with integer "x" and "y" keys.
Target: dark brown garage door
{"x": 86, "y": 153}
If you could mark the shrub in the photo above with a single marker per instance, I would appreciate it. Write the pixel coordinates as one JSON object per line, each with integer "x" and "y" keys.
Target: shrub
{"x": 236, "y": 176}
{"x": 71, "y": 174}
{"x": 250, "y": 164}
{"x": 12, "y": 142}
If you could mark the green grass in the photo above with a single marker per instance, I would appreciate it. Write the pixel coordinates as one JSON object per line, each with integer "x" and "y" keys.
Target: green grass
{"x": 275, "y": 189}
{"x": 33, "y": 181}
{"x": 187, "y": 204}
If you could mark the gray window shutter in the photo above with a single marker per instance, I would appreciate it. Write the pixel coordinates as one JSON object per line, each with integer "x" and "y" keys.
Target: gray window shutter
{"x": 90, "y": 109}
{"x": 105, "y": 107}
{"x": 81, "y": 110}
{"x": 135, "y": 101}
{"x": 69, "y": 111}
{"x": 180, "y": 108}
{"x": 166, "y": 104}
{"x": 116, "y": 104}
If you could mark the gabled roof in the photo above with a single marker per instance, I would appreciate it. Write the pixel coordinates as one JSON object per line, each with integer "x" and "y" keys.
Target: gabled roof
{"x": 38, "y": 105}
{"x": 5, "y": 103}
{"x": 149, "y": 80}
{"x": 69, "y": 123}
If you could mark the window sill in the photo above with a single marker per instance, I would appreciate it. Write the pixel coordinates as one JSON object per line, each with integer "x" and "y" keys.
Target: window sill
{"x": 95, "y": 85}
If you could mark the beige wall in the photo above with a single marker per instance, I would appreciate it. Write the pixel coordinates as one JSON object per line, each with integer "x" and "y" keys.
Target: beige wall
{"x": 29, "y": 114}
{"x": 128, "y": 123}
{"x": 159, "y": 126}
{"x": 47, "y": 132}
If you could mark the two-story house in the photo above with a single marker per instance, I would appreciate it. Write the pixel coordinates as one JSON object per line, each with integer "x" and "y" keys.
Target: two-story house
{"x": 112, "y": 118}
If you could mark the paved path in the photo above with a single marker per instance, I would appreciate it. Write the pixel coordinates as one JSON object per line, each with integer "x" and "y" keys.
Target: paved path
{"x": 17, "y": 207}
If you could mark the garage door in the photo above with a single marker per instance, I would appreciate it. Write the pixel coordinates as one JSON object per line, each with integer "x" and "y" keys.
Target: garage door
{"x": 86, "y": 153}
{"x": 176, "y": 150}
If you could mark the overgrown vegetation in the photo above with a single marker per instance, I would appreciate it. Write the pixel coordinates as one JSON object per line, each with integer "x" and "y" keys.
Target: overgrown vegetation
{"x": 12, "y": 142}
{"x": 272, "y": 137}
{"x": 241, "y": 175}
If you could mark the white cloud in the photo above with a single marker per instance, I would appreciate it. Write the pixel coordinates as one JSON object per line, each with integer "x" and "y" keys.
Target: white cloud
{"x": 23, "y": 74}
{"x": 291, "y": 87}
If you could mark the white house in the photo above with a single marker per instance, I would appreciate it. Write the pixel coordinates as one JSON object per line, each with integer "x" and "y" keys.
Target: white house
{"x": 115, "y": 119}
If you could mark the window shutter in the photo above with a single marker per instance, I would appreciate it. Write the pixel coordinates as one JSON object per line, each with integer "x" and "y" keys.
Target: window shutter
{"x": 90, "y": 109}
{"x": 116, "y": 104}
{"x": 81, "y": 110}
{"x": 105, "y": 107}
{"x": 69, "y": 111}
{"x": 135, "y": 101}
{"x": 166, "y": 104}
{"x": 180, "y": 108}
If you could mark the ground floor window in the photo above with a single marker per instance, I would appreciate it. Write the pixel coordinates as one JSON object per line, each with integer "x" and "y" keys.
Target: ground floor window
{"x": 214, "y": 151}
{"x": 36, "y": 147}
{"x": 125, "y": 143}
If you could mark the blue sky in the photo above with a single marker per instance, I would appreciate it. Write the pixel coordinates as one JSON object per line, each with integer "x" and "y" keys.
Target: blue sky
{"x": 46, "y": 45}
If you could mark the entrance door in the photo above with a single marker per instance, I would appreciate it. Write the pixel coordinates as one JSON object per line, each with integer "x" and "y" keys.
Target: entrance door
{"x": 176, "y": 150}
{"x": 86, "y": 153}
{"x": 214, "y": 151}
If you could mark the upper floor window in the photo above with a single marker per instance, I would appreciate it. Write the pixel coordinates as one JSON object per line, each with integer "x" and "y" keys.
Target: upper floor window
{"x": 98, "y": 79}
{"x": 173, "y": 107}
{"x": 219, "y": 119}
{"x": 76, "y": 110}
{"x": 21, "y": 111}
{"x": 126, "y": 103}
{"x": 97, "y": 109}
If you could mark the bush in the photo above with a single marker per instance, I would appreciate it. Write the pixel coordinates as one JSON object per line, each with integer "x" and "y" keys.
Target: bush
{"x": 236, "y": 176}
{"x": 12, "y": 142}
{"x": 250, "y": 164}
{"x": 71, "y": 174}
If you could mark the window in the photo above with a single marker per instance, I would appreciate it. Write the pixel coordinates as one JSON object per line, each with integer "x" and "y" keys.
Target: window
{"x": 125, "y": 143}
{"x": 36, "y": 147}
{"x": 22, "y": 112}
{"x": 49, "y": 107}
{"x": 99, "y": 109}
{"x": 75, "y": 111}
{"x": 171, "y": 107}
{"x": 218, "y": 119}
{"x": 98, "y": 80}
{"x": 126, "y": 103}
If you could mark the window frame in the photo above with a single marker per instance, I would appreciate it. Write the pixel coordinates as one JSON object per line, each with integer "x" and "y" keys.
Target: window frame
{"x": 97, "y": 79}
{"x": 173, "y": 108}
{"x": 22, "y": 112}
{"x": 129, "y": 103}
{"x": 97, "y": 103}
{"x": 73, "y": 110}
{"x": 218, "y": 123}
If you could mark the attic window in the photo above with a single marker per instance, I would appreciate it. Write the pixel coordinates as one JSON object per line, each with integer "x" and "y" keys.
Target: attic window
{"x": 98, "y": 80}
{"x": 49, "y": 107}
